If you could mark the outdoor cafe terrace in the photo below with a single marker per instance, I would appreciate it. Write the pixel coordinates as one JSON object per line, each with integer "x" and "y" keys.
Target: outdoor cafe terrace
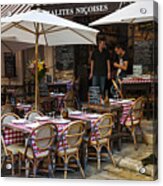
{"x": 54, "y": 122}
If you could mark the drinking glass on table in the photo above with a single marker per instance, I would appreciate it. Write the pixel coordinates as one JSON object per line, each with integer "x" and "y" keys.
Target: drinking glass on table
{"x": 84, "y": 110}
{"x": 116, "y": 96}
{"x": 53, "y": 114}
{"x": 61, "y": 112}
{"x": 50, "y": 114}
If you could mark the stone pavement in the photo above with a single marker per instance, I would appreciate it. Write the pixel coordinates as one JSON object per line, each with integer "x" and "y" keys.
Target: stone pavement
{"x": 131, "y": 164}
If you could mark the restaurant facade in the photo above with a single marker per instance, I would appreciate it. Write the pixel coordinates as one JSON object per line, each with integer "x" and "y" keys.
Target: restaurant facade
{"x": 73, "y": 61}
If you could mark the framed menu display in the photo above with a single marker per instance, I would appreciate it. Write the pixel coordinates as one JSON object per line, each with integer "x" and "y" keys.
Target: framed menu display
{"x": 64, "y": 57}
{"x": 10, "y": 64}
{"x": 94, "y": 95}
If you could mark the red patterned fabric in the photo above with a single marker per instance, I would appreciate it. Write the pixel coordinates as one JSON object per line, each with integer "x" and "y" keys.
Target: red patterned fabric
{"x": 125, "y": 112}
{"x": 12, "y": 137}
{"x": 138, "y": 80}
{"x": 126, "y": 108}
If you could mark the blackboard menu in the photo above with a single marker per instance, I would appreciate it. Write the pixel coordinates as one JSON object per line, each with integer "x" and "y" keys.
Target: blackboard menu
{"x": 10, "y": 65}
{"x": 143, "y": 54}
{"x": 64, "y": 57}
{"x": 94, "y": 95}
{"x": 43, "y": 88}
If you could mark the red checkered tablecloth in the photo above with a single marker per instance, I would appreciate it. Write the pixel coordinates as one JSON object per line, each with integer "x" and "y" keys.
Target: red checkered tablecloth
{"x": 138, "y": 80}
{"x": 86, "y": 117}
{"x": 11, "y": 136}
{"x": 126, "y": 105}
{"x": 16, "y": 133}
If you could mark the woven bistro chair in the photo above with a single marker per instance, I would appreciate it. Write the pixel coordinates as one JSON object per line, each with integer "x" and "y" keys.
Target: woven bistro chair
{"x": 8, "y": 154}
{"x": 134, "y": 118}
{"x": 31, "y": 115}
{"x": 70, "y": 101}
{"x": 117, "y": 87}
{"x": 7, "y": 118}
{"x": 40, "y": 146}
{"x": 69, "y": 144}
{"x": 9, "y": 148}
{"x": 7, "y": 108}
{"x": 4, "y": 153}
{"x": 100, "y": 137}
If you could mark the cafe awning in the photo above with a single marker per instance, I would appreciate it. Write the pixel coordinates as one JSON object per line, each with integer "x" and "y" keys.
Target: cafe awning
{"x": 140, "y": 11}
{"x": 11, "y": 9}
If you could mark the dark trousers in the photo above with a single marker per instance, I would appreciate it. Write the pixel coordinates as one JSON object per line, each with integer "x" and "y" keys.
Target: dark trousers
{"x": 100, "y": 82}
{"x": 108, "y": 87}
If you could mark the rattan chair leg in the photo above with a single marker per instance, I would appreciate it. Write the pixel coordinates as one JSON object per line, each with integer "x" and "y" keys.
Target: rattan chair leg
{"x": 110, "y": 154}
{"x": 134, "y": 138}
{"x": 50, "y": 167}
{"x": 53, "y": 162}
{"x": 111, "y": 157}
{"x": 27, "y": 168}
{"x": 65, "y": 167}
{"x": 80, "y": 167}
{"x": 20, "y": 164}
{"x": 34, "y": 168}
{"x": 143, "y": 136}
{"x": 3, "y": 161}
{"x": 98, "y": 159}
{"x": 13, "y": 164}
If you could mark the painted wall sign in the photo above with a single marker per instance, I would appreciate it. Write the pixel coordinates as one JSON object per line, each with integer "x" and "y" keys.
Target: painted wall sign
{"x": 83, "y": 10}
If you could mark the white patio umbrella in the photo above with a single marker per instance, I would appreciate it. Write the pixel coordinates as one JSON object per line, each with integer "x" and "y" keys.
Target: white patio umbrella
{"x": 140, "y": 11}
{"x": 41, "y": 27}
{"x": 13, "y": 46}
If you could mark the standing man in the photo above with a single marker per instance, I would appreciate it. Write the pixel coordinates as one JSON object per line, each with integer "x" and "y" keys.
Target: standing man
{"x": 121, "y": 61}
{"x": 100, "y": 66}
{"x": 120, "y": 65}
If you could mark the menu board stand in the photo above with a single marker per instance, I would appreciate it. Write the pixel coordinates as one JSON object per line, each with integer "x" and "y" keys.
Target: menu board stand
{"x": 94, "y": 95}
{"x": 10, "y": 64}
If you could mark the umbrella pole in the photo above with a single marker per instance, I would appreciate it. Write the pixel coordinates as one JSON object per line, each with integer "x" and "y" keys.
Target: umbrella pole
{"x": 36, "y": 71}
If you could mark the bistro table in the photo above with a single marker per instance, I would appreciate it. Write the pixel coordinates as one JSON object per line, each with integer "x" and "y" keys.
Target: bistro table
{"x": 146, "y": 86}
{"x": 59, "y": 100}
{"x": 89, "y": 124}
{"x": 18, "y": 133}
{"x": 61, "y": 86}
{"x": 138, "y": 86}
{"x": 23, "y": 108}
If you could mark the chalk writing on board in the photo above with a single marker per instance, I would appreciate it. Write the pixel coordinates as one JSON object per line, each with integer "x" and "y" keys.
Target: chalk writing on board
{"x": 144, "y": 54}
{"x": 10, "y": 65}
{"x": 64, "y": 57}
{"x": 94, "y": 95}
